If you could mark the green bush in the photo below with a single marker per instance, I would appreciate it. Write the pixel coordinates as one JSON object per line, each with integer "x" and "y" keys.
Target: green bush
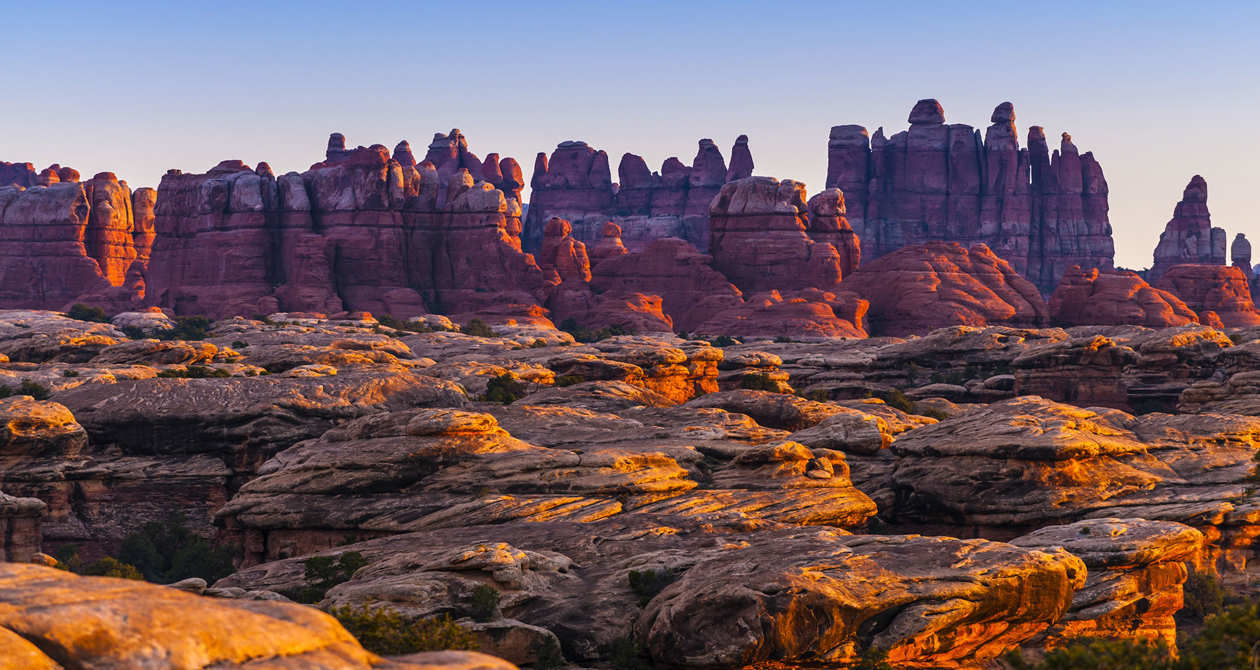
{"x": 193, "y": 372}
{"x": 569, "y": 380}
{"x": 68, "y": 559}
{"x": 135, "y": 332}
{"x": 323, "y": 573}
{"x": 873, "y": 658}
{"x": 384, "y": 631}
{"x": 484, "y": 603}
{"x": 166, "y": 552}
{"x": 187, "y": 328}
{"x": 238, "y": 344}
{"x": 84, "y": 312}
{"x": 931, "y": 412}
{"x": 504, "y": 389}
{"x": 782, "y": 339}
{"x": 111, "y": 567}
{"x": 1095, "y": 654}
{"x": 547, "y": 655}
{"x": 723, "y": 341}
{"x": 70, "y": 373}
{"x": 5, "y": 391}
{"x": 35, "y": 390}
{"x": 1204, "y": 595}
{"x": 390, "y": 321}
{"x": 1230, "y": 639}
{"x": 759, "y": 381}
{"x": 478, "y": 328}
{"x": 647, "y": 583}
{"x": 570, "y": 326}
{"x": 894, "y": 398}
{"x": 625, "y": 653}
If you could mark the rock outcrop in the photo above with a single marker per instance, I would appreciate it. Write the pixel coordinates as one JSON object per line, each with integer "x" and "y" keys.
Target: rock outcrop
{"x": 54, "y": 619}
{"x": 1189, "y": 237}
{"x": 1219, "y": 289}
{"x": 1043, "y": 212}
{"x": 1094, "y": 297}
{"x": 576, "y": 184}
{"x": 65, "y": 242}
{"x": 760, "y": 236}
{"x": 921, "y": 288}
{"x": 360, "y": 231}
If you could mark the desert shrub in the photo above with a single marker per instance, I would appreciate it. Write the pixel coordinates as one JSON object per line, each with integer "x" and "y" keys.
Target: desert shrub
{"x": 894, "y": 398}
{"x": 873, "y": 658}
{"x": 33, "y": 389}
{"x": 390, "y": 321}
{"x": 723, "y": 341}
{"x": 323, "y": 573}
{"x": 1203, "y": 595}
{"x": 384, "y": 631}
{"x": 569, "y": 380}
{"x": 239, "y": 344}
{"x": 782, "y": 339}
{"x": 166, "y": 551}
{"x": 193, "y": 372}
{"x": 504, "y": 389}
{"x": 647, "y": 583}
{"x": 483, "y": 603}
{"x": 135, "y": 332}
{"x": 478, "y": 328}
{"x": 70, "y": 373}
{"x": 111, "y": 567}
{"x": 68, "y": 559}
{"x": 5, "y": 391}
{"x": 931, "y": 412}
{"x": 1229, "y": 639}
{"x": 547, "y": 655}
{"x": 1096, "y": 654}
{"x": 571, "y": 327}
{"x": 758, "y": 381}
{"x": 84, "y": 312}
{"x": 187, "y": 328}
{"x": 817, "y": 395}
{"x": 625, "y": 653}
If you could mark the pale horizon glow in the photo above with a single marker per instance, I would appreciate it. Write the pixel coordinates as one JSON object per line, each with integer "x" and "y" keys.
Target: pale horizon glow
{"x": 1157, "y": 91}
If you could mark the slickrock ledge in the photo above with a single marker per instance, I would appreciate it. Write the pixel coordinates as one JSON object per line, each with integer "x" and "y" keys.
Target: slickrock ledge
{"x": 51, "y": 619}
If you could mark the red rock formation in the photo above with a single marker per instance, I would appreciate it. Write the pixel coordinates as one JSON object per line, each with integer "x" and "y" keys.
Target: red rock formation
{"x": 1043, "y": 212}
{"x": 1213, "y": 288}
{"x": 65, "y": 241}
{"x": 759, "y": 238}
{"x": 1189, "y": 236}
{"x": 576, "y": 185}
{"x": 17, "y": 174}
{"x": 797, "y": 314}
{"x": 1115, "y": 298}
{"x": 609, "y": 245}
{"x": 563, "y": 255}
{"x": 692, "y": 292}
{"x": 920, "y": 288}
{"x": 360, "y": 231}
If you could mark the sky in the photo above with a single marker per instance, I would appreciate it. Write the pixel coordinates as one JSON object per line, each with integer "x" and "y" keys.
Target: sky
{"x": 1159, "y": 91}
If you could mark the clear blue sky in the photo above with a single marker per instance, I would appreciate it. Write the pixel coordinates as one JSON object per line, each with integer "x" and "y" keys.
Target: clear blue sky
{"x": 1159, "y": 91}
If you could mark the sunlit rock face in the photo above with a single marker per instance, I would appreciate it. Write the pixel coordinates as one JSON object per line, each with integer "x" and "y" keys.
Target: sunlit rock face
{"x": 1189, "y": 237}
{"x": 1043, "y": 212}
{"x": 145, "y": 625}
{"x": 63, "y": 241}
